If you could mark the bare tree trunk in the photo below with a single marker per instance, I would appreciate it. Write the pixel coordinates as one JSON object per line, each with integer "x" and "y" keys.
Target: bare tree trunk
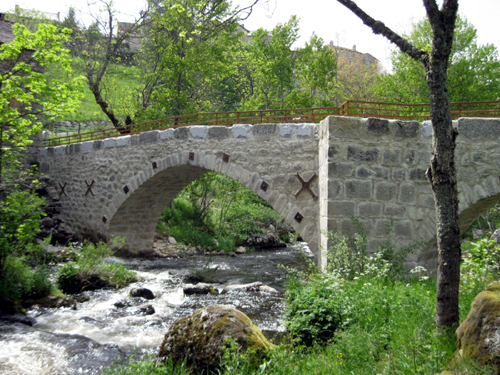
{"x": 441, "y": 173}
{"x": 443, "y": 178}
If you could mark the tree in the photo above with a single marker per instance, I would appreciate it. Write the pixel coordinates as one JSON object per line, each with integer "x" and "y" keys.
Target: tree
{"x": 354, "y": 78}
{"x": 25, "y": 97}
{"x": 99, "y": 46}
{"x": 26, "y": 93}
{"x": 187, "y": 53}
{"x": 316, "y": 68}
{"x": 70, "y": 22}
{"x": 272, "y": 64}
{"x": 442, "y": 172}
{"x": 473, "y": 71}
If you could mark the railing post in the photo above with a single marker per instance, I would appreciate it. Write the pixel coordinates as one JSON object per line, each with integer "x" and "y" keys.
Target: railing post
{"x": 238, "y": 116}
{"x": 313, "y": 116}
{"x": 260, "y": 117}
{"x": 216, "y": 119}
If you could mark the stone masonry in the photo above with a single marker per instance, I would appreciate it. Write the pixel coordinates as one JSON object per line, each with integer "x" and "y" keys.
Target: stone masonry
{"x": 134, "y": 177}
{"x": 377, "y": 174}
{"x": 345, "y": 167}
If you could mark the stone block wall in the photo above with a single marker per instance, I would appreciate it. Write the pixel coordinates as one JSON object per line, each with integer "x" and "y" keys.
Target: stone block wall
{"x": 377, "y": 175}
{"x": 369, "y": 169}
{"x": 136, "y": 176}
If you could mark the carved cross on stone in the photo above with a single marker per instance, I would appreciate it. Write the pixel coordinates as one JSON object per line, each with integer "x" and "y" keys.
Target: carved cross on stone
{"x": 306, "y": 186}
{"x": 89, "y": 187}
{"x": 62, "y": 189}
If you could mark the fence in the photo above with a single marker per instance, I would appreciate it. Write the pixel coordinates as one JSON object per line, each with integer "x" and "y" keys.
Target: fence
{"x": 349, "y": 108}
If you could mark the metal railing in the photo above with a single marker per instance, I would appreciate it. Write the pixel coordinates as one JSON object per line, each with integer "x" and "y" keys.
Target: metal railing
{"x": 417, "y": 111}
{"x": 349, "y": 108}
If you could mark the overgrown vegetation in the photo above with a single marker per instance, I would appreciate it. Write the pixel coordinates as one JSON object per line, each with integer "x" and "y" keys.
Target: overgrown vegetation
{"x": 216, "y": 212}
{"x": 367, "y": 314}
{"x": 89, "y": 272}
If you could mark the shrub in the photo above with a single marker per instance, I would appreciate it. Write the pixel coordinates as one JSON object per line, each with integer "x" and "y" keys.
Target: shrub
{"x": 20, "y": 281}
{"x": 69, "y": 279}
{"x": 89, "y": 272}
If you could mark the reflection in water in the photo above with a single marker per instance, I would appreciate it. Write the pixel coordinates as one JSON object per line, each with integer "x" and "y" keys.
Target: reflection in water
{"x": 67, "y": 341}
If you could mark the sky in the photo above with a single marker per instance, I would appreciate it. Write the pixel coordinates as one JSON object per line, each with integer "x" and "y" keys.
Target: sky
{"x": 327, "y": 18}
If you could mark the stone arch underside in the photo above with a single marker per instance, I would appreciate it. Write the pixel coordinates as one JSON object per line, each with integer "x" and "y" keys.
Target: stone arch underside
{"x": 136, "y": 218}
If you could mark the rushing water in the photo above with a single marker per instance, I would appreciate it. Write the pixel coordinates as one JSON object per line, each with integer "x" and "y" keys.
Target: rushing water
{"x": 97, "y": 333}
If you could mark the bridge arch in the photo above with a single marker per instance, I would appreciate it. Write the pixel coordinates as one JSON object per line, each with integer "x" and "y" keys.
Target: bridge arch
{"x": 138, "y": 211}
{"x": 132, "y": 178}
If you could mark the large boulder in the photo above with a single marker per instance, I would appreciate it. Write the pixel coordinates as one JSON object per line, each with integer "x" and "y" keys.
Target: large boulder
{"x": 479, "y": 334}
{"x": 496, "y": 236}
{"x": 200, "y": 338}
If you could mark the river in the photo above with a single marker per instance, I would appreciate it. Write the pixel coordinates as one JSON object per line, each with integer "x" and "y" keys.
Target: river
{"x": 98, "y": 333}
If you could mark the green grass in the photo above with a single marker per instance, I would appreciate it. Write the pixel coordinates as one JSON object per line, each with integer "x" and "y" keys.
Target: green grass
{"x": 121, "y": 83}
{"x": 89, "y": 271}
{"x": 371, "y": 321}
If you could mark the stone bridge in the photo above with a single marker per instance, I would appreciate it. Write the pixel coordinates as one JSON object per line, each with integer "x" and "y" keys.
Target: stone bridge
{"x": 317, "y": 176}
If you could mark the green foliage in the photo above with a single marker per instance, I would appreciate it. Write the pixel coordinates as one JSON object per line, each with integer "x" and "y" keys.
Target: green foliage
{"x": 29, "y": 89}
{"x": 348, "y": 256}
{"x": 473, "y": 70}
{"x": 480, "y": 264}
{"x": 148, "y": 367}
{"x": 284, "y": 78}
{"x": 185, "y": 55}
{"x": 20, "y": 281}
{"x": 216, "y": 212}
{"x": 90, "y": 272}
{"x": 69, "y": 280}
{"x": 20, "y": 212}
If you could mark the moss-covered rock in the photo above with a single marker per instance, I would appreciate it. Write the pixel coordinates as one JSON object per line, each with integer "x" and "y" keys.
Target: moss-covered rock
{"x": 479, "y": 334}
{"x": 200, "y": 338}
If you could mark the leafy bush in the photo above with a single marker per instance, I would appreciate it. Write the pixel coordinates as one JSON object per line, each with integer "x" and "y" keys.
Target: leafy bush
{"x": 89, "y": 271}
{"x": 69, "y": 279}
{"x": 22, "y": 271}
{"x": 20, "y": 281}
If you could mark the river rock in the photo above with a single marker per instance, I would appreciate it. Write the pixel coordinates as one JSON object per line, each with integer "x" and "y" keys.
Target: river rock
{"x": 17, "y": 318}
{"x": 142, "y": 292}
{"x": 477, "y": 234}
{"x": 496, "y": 236}
{"x": 241, "y": 250}
{"x": 146, "y": 309}
{"x": 200, "y": 288}
{"x": 172, "y": 241}
{"x": 252, "y": 287}
{"x": 200, "y": 338}
{"x": 263, "y": 241}
{"x": 53, "y": 301}
{"x": 479, "y": 334}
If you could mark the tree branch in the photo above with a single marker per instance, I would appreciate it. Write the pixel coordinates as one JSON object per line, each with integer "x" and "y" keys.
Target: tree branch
{"x": 379, "y": 27}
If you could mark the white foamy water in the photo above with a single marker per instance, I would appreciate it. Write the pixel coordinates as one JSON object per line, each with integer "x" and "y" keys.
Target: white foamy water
{"x": 98, "y": 333}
